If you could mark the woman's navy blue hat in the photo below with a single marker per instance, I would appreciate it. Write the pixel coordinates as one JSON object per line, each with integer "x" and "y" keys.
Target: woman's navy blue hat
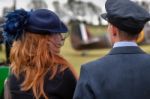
{"x": 40, "y": 21}
{"x": 44, "y": 21}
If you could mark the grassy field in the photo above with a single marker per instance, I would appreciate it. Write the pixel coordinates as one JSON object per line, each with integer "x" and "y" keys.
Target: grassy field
{"x": 2, "y": 53}
{"x": 75, "y": 58}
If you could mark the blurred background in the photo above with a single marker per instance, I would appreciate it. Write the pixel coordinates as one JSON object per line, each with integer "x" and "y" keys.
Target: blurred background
{"x": 88, "y": 38}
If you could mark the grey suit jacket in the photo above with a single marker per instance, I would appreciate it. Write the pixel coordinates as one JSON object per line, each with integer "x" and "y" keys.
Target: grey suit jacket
{"x": 122, "y": 74}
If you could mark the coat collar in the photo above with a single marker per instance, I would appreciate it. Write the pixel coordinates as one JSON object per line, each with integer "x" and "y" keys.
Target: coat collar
{"x": 126, "y": 50}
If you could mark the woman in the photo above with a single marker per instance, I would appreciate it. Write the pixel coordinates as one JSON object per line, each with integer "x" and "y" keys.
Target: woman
{"x": 37, "y": 69}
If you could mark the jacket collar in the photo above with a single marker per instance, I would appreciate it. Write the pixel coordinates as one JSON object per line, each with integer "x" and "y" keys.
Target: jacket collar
{"x": 126, "y": 50}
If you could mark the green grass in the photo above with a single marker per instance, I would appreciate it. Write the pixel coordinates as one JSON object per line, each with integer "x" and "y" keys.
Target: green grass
{"x": 75, "y": 58}
{"x": 2, "y": 53}
{"x": 97, "y": 30}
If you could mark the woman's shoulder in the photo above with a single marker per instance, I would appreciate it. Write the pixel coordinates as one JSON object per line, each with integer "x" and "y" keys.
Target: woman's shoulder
{"x": 63, "y": 85}
{"x": 61, "y": 79}
{"x": 15, "y": 82}
{"x": 65, "y": 75}
{"x": 68, "y": 74}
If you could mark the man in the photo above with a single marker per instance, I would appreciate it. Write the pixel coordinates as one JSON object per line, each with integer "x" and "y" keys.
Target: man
{"x": 125, "y": 72}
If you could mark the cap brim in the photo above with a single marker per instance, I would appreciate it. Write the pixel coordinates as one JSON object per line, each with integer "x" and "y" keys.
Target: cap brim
{"x": 104, "y": 16}
{"x": 61, "y": 29}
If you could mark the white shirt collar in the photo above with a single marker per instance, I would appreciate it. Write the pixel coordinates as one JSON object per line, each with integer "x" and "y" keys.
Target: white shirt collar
{"x": 124, "y": 43}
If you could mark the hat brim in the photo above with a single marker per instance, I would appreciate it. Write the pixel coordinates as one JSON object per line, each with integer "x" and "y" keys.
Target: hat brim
{"x": 104, "y": 16}
{"x": 61, "y": 29}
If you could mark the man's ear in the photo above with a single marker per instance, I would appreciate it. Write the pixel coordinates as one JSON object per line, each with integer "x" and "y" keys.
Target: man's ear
{"x": 114, "y": 30}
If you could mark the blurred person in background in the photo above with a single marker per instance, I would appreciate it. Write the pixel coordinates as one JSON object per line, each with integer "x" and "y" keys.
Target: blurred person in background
{"x": 37, "y": 69}
{"x": 124, "y": 73}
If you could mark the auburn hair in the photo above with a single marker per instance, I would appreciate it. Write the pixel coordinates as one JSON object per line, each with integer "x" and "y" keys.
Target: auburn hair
{"x": 32, "y": 56}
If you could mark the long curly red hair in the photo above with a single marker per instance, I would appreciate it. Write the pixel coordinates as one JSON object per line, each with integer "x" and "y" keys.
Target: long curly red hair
{"x": 33, "y": 56}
